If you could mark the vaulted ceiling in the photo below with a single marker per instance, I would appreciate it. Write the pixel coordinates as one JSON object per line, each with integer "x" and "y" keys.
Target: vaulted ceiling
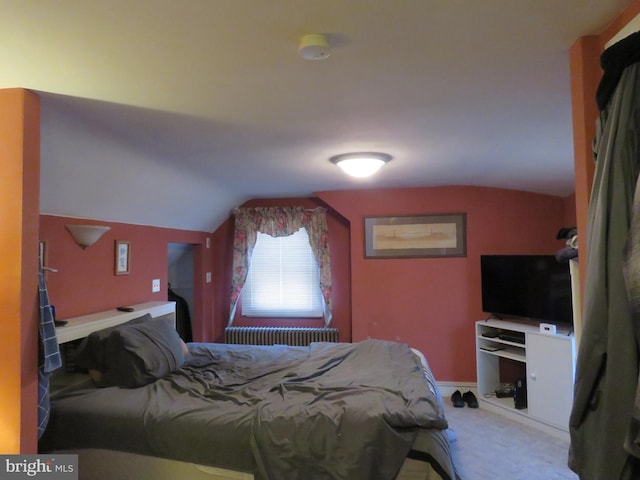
{"x": 172, "y": 113}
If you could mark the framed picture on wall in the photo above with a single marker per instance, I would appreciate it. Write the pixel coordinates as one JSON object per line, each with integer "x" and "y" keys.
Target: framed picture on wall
{"x": 438, "y": 235}
{"x": 123, "y": 257}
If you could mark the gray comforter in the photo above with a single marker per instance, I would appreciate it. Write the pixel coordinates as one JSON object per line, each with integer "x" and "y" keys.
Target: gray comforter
{"x": 328, "y": 411}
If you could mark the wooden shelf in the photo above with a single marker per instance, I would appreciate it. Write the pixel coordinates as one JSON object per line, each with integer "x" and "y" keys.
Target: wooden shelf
{"x": 516, "y": 354}
{"x": 80, "y": 327}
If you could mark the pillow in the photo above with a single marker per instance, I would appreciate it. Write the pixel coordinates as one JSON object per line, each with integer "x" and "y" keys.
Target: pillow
{"x": 90, "y": 354}
{"x": 140, "y": 354}
{"x": 133, "y": 354}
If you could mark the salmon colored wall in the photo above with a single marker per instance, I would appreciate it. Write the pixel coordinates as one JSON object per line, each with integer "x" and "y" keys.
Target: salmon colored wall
{"x": 432, "y": 303}
{"x": 585, "y": 75}
{"x": 19, "y": 197}
{"x": 222, "y": 241}
{"x": 86, "y": 283}
{"x": 570, "y": 211}
{"x": 340, "y": 272}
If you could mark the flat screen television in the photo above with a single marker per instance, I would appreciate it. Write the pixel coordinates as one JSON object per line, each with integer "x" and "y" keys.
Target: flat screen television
{"x": 533, "y": 287}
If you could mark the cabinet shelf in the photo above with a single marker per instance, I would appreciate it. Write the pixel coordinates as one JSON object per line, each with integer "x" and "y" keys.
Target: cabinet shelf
{"x": 500, "y": 341}
{"x": 516, "y": 354}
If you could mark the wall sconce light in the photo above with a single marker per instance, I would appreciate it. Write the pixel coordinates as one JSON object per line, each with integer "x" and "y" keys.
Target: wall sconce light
{"x": 361, "y": 164}
{"x": 86, "y": 235}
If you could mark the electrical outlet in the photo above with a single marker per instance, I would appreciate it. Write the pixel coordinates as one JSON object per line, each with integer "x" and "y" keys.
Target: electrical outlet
{"x": 155, "y": 285}
{"x": 207, "y": 277}
{"x": 208, "y": 242}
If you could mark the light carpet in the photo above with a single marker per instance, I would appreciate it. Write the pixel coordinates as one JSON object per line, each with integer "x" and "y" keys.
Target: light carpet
{"x": 490, "y": 446}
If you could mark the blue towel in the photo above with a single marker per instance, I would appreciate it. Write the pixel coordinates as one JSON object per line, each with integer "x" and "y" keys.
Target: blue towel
{"x": 50, "y": 358}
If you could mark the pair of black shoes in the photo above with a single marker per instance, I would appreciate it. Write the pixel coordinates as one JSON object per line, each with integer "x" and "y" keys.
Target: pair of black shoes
{"x": 458, "y": 399}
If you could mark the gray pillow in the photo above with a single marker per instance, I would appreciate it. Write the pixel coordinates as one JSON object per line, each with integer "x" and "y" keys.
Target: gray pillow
{"x": 137, "y": 353}
{"x": 91, "y": 353}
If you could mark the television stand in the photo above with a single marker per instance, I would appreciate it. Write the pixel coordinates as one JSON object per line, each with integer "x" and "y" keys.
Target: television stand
{"x": 509, "y": 351}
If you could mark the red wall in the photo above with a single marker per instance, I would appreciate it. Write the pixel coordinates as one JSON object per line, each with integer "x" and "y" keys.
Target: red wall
{"x": 86, "y": 283}
{"x": 340, "y": 273}
{"x": 432, "y": 303}
{"x": 570, "y": 210}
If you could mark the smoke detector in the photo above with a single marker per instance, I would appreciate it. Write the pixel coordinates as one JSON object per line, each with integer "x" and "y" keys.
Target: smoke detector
{"x": 314, "y": 47}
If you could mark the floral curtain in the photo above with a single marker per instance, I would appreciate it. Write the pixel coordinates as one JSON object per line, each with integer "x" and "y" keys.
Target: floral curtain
{"x": 279, "y": 222}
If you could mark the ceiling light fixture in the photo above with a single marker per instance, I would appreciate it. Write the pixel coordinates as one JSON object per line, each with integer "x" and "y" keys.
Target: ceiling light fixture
{"x": 314, "y": 47}
{"x": 86, "y": 235}
{"x": 361, "y": 164}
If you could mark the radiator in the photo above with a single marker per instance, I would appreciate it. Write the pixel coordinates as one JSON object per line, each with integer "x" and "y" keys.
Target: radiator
{"x": 294, "y": 336}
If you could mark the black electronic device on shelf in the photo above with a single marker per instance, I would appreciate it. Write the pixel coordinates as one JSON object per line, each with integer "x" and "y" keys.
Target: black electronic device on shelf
{"x": 493, "y": 333}
{"x": 505, "y": 390}
{"x": 520, "y": 394}
{"x": 515, "y": 337}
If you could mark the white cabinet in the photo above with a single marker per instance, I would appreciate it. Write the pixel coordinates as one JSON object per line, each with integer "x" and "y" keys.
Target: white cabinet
{"x": 506, "y": 351}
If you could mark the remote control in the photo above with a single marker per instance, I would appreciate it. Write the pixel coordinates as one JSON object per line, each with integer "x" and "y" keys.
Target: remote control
{"x": 125, "y": 309}
{"x": 491, "y": 333}
{"x": 491, "y": 348}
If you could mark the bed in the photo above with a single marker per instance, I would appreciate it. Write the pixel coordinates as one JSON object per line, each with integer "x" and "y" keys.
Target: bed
{"x": 369, "y": 410}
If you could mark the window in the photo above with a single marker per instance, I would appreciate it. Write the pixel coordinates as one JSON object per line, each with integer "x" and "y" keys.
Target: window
{"x": 283, "y": 279}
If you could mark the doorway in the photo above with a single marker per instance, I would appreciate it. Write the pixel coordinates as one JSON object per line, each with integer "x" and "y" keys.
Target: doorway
{"x": 180, "y": 286}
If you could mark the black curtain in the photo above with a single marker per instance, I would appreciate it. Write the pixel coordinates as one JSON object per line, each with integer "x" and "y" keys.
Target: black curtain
{"x": 183, "y": 318}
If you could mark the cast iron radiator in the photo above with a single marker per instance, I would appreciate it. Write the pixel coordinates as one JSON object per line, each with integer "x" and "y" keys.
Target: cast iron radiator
{"x": 293, "y": 336}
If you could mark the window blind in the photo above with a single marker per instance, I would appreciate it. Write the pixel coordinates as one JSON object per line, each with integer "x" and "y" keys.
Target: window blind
{"x": 283, "y": 279}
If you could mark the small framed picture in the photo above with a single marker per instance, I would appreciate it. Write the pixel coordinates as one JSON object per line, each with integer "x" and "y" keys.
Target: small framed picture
{"x": 123, "y": 257}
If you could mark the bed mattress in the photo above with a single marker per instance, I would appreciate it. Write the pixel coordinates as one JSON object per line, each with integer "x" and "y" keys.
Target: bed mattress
{"x": 325, "y": 411}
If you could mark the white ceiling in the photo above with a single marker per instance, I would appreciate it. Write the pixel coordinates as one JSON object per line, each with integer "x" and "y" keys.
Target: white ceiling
{"x": 171, "y": 113}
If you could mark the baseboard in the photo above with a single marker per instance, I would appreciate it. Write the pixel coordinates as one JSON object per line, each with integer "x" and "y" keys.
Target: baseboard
{"x": 523, "y": 418}
{"x": 447, "y": 388}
